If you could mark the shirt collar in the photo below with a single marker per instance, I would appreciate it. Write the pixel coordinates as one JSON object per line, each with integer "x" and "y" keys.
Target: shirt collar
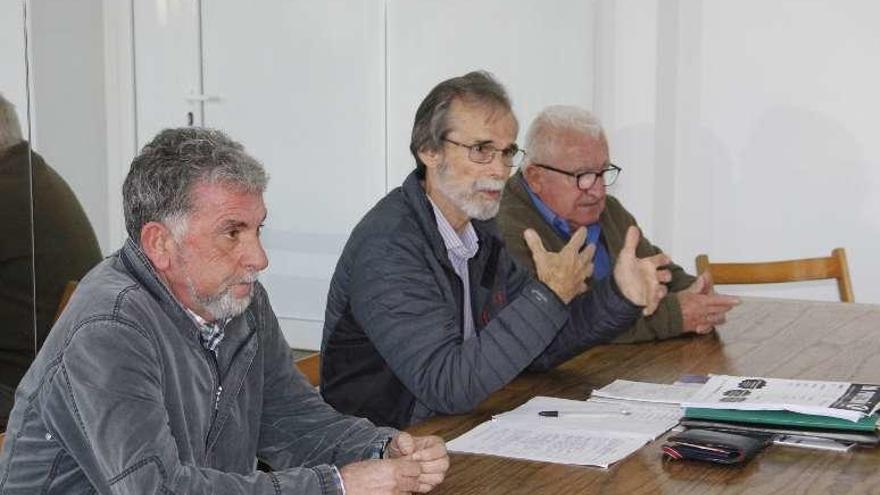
{"x": 210, "y": 334}
{"x": 462, "y": 245}
{"x": 557, "y": 222}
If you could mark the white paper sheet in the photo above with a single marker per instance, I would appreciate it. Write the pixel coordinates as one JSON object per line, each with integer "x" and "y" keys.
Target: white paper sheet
{"x": 590, "y": 433}
{"x": 519, "y": 441}
{"x": 647, "y": 392}
{"x": 597, "y": 416}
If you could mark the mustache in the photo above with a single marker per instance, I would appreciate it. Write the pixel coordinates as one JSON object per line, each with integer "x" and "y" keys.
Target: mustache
{"x": 487, "y": 184}
{"x": 247, "y": 278}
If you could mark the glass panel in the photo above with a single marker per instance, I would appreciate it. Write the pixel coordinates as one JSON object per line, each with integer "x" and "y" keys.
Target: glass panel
{"x": 17, "y": 342}
{"x": 57, "y": 169}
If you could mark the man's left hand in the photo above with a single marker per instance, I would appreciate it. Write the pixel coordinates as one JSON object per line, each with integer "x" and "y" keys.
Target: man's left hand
{"x": 429, "y": 452}
{"x": 641, "y": 279}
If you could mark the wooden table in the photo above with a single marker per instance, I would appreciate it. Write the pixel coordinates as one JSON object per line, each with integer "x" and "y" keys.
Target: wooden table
{"x": 765, "y": 337}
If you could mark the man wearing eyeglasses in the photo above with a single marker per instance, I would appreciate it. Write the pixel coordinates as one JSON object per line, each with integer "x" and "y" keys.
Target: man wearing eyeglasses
{"x": 427, "y": 312}
{"x": 561, "y": 187}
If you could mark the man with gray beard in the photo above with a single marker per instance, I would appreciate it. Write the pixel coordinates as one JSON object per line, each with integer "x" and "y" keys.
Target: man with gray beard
{"x": 427, "y": 312}
{"x": 167, "y": 371}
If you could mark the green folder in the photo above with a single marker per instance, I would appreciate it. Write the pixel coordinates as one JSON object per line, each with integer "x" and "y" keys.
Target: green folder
{"x": 782, "y": 418}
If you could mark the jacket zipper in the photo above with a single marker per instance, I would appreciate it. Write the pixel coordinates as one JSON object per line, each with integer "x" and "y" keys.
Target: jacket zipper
{"x": 215, "y": 367}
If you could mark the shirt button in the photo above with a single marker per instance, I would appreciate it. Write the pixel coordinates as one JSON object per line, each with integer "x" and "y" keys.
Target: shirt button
{"x": 48, "y": 436}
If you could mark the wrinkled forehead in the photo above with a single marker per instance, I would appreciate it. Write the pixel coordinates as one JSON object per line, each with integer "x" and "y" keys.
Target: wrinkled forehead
{"x": 213, "y": 200}
{"x": 482, "y": 116}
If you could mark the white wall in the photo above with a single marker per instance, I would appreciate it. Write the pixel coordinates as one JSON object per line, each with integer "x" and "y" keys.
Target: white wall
{"x": 325, "y": 95}
{"x": 778, "y": 152}
{"x": 13, "y": 79}
{"x": 68, "y": 100}
{"x": 542, "y": 55}
{"x": 313, "y": 113}
{"x": 742, "y": 127}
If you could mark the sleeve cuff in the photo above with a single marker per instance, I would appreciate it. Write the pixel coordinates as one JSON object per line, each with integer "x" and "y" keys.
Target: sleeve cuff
{"x": 549, "y": 303}
{"x": 331, "y": 479}
{"x": 339, "y": 479}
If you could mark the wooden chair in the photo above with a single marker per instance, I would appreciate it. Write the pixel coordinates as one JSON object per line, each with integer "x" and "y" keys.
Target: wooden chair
{"x": 65, "y": 297}
{"x": 311, "y": 367}
{"x": 772, "y": 272}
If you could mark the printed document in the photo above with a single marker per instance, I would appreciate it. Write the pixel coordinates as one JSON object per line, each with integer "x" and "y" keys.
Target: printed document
{"x": 850, "y": 401}
{"x": 519, "y": 441}
{"x": 589, "y": 433}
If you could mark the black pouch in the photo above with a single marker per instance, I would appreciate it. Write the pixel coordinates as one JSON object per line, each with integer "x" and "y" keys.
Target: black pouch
{"x": 714, "y": 446}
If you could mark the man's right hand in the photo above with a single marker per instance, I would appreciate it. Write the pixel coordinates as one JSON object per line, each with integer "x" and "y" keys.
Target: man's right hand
{"x": 701, "y": 307}
{"x": 564, "y": 272}
{"x": 381, "y": 476}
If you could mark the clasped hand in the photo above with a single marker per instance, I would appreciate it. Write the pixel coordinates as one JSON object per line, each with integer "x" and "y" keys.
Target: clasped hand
{"x": 701, "y": 307}
{"x": 411, "y": 465}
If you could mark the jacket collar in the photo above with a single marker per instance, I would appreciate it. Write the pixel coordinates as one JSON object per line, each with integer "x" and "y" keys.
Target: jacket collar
{"x": 417, "y": 198}
{"x": 142, "y": 270}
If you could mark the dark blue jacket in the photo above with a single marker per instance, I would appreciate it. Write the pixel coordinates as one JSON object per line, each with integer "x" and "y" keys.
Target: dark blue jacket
{"x": 392, "y": 329}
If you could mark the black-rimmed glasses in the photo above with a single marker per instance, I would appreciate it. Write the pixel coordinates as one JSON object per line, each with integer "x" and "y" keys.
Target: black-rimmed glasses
{"x": 585, "y": 180}
{"x": 484, "y": 153}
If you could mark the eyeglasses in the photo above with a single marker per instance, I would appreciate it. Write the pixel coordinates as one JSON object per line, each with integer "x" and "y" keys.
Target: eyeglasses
{"x": 585, "y": 180}
{"x": 485, "y": 153}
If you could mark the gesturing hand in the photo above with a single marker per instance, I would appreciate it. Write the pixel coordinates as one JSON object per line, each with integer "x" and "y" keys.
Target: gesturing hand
{"x": 564, "y": 272}
{"x": 701, "y": 307}
{"x": 641, "y": 279}
{"x": 429, "y": 452}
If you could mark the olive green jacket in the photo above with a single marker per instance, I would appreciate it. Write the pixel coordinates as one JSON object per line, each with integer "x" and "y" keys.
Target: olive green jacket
{"x": 519, "y": 213}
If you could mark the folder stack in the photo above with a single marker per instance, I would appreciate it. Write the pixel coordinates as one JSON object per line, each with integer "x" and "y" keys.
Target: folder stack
{"x": 842, "y": 412}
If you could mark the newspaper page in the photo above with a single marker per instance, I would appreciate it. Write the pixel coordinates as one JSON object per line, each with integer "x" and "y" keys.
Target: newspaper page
{"x": 850, "y": 401}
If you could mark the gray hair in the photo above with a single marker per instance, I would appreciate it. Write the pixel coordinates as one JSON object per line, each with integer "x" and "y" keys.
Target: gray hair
{"x": 432, "y": 117}
{"x": 541, "y": 135}
{"x": 159, "y": 184}
{"x": 10, "y": 129}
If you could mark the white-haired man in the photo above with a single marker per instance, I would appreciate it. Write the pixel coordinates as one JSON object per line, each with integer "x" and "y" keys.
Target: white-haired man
{"x": 561, "y": 188}
{"x": 168, "y": 373}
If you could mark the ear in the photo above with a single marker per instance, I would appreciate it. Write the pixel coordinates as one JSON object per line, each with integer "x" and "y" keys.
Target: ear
{"x": 533, "y": 178}
{"x": 158, "y": 244}
{"x": 431, "y": 158}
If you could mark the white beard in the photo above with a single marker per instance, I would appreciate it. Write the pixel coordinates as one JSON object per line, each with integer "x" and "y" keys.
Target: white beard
{"x": 466, "y": 198}
{"x": 224, "y": 304}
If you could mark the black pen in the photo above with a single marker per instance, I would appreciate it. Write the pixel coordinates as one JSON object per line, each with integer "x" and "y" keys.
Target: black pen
{"x": 583, "y": 414}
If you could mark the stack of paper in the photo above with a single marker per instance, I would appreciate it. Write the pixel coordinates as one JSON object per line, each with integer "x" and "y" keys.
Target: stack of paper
{"x": 648, "y": 392}
{"x": 593, "y": 432}
{"x": 849, "y": 401}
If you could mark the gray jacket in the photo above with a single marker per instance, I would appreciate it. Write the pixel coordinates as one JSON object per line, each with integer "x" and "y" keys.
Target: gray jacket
{"x": 393, "y": 334}
{"x": 123, "y": 398}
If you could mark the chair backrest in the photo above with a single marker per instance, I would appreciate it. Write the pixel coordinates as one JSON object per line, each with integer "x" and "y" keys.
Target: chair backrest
{"x": 772, "y": 272}
{"x": 311, "y": 367}
{"x": 65, "y": 296}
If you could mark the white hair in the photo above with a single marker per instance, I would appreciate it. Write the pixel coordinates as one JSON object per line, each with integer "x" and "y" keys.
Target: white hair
{"x": 540, "y": 137}
{"x": 10, "y": 129}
